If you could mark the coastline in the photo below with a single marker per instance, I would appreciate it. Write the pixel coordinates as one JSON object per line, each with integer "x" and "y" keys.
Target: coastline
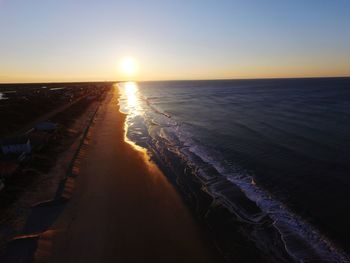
{"x": 122, "y": 207}
{"x": 147, "y": 185}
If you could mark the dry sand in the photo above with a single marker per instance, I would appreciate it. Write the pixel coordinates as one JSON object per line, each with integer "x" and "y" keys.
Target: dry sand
{"x": 123, "y": 208}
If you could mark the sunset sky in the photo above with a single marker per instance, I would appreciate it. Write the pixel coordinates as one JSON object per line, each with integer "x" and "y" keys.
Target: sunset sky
{"x": 83, "y": 40}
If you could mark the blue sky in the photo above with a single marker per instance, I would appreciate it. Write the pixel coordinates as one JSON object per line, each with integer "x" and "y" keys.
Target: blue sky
{"x": 50, "y": 40}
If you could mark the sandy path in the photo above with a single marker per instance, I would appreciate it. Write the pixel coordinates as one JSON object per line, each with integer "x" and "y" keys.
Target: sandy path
{"x": 123, "y": 209}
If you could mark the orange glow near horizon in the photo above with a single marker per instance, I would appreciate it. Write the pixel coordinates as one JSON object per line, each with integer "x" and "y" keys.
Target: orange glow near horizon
{"x": 171, "y": 40}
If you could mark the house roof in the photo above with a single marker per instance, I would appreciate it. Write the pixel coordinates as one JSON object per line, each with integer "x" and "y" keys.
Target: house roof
{"x": 14, "y": 140}
{"x": 7, "y": 168}
{"x": 37, "y": 137}
{"x": 46, "y": 125}
{"x": 9, "y": 158}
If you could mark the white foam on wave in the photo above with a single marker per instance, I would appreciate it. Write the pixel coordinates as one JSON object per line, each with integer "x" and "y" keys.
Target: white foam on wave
{"x": 302, "y": 241}
{"x": 292, "y": 228}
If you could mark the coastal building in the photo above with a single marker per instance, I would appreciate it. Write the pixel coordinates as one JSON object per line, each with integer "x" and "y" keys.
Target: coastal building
{"x": 9, "y": 163}
{"x": 91, "y": 97}
{"x": 7, "y": 169}
{"x": 39, "y": 138}
{"x": 46, "y": 126}
{"x": 16, "y": 145}
{"x": 2, "y": 185}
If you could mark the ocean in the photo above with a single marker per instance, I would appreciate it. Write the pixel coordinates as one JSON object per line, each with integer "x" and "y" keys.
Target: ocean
{"x": 275, "y": 153}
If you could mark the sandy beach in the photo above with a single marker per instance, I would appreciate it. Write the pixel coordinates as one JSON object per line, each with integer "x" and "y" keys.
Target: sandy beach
{"x": 122, "y": 209}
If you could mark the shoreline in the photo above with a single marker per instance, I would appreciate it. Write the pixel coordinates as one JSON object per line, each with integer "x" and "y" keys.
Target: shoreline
{"x": 216, "y": 230}
{"x": 120, "y": 203}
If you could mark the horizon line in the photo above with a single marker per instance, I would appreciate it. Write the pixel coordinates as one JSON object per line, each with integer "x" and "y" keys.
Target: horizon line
{"x": 160, "y": 80}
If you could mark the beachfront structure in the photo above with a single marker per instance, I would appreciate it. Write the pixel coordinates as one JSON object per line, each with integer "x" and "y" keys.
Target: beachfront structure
{"x": 16, "y": 145}
{"x": 91, "y": 97}
{"x": 7, "y": 169}
{"x": 39, "y": 138}
{"x": 2, "y": 185}
{"x": 46, "y": 126}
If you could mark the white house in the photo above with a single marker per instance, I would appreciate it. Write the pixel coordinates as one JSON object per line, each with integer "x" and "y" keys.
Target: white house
{"x": 16, "y": 145}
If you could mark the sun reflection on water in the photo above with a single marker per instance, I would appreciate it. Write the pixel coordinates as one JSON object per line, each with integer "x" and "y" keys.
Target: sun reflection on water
{"x": 129, "y": 104}
{"x": 129, "y": 97}
{"x": 130, "y": 90}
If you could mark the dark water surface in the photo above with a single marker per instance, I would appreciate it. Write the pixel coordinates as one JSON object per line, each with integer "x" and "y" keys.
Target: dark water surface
{"x": 284, "y": 142}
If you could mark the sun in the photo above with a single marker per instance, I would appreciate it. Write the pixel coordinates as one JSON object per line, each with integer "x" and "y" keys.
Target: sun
{"x": 129, "y": 66}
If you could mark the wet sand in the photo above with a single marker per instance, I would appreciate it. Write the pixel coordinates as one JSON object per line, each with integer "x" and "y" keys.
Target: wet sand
{"x": 123, "y": 209}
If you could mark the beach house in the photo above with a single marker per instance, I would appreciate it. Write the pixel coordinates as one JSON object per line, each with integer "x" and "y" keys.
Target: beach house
{"x": 16, "y": 145}
{"x": 46, "y": 126}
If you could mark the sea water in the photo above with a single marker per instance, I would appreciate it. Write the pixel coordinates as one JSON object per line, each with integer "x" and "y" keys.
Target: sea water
{"x": 284, "y": 142}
